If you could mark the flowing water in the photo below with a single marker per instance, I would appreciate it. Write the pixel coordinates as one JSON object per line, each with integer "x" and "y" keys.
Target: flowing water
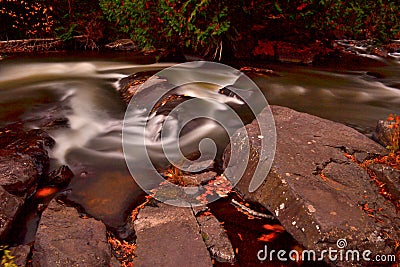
{"x": 84, "y": 90}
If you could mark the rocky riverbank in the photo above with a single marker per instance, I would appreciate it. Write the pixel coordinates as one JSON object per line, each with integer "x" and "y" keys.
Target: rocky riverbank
{"x": 325, "y": 185}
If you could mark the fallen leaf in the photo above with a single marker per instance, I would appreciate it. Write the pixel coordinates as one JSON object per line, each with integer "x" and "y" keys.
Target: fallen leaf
{"x": 240, "y": 237}
{"x": 45, "y": 192}
{"x": 268, "y": 237}
{"x": 276, "y": 228}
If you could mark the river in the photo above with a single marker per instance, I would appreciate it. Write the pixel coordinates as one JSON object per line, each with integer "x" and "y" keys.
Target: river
{"x": 83, "y": 89}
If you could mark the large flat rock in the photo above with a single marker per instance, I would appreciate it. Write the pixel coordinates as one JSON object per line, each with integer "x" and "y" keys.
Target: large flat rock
{"x": 316, "y": 192}
{"x": 169, "y": 236}
{"x": 65, "y": 239}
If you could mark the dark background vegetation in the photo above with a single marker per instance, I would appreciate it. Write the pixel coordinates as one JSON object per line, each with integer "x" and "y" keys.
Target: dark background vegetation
{"x": 201, "y": 26}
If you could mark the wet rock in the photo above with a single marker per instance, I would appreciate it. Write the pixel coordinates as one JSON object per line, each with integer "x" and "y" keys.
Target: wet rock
{"x": 122, "y": 45}
{"x": 55, "y": 124}
{"x": 198, "y": 179}
{"x": 65, "y": 239}
{"x": 16, "y": 140}
{"x": 20, "y": 254}
{"x": 292, "y": 53}
{"x": 389, "y": 176}
{"x": 50, "y": 116}
{"x": 10, "y": 206}
{"x": 109, "y": 196}
{"x": 18, "y": 174}
{"x": 352, "y": 54}
{"x": 128, "y": 86}
{"x": 23, "y": 158}
{"x": 215, "y": 238}
{"x": 383, "y": 133}
{"x": 317, "y": 194}
{"x": 197, "y": 166}
{"x": 60, "y": 177}
{"x": 287, "y": 52}
{"x": 169, "y": 236}
{"x": 393, "y": 46}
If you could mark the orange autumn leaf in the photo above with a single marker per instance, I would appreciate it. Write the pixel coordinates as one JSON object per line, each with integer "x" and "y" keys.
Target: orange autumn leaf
{"x": 45, "y": 192}
{"x": 240, "y": 237}
{"x": 268, "y": 237}
{"x": 276, "y": 228}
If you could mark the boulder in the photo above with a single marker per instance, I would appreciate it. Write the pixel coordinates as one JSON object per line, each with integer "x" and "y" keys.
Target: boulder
{"x": 64, "y": 238}
{"x": 18, "y": 174}
{"x": 128, "y": 86}
{"x": 314, "y": 189}
{"x": 16, "y": 140}
{"x": 384, "y": 133}
{"x": 23, "y": 160}
{"x": 10, "y": 206}
{"x": 59, "y": 177}
{"x": 169, "y": 236}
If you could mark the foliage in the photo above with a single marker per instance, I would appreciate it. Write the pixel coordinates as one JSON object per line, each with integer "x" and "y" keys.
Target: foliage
{"x": 6, "y": 257}
{"x": 78, "y": 18}
{"x": 170, "y": 23}
{"x": 358, "y": 19}
{"x": 200, "y": 25}
{"x": 22, "y": 19}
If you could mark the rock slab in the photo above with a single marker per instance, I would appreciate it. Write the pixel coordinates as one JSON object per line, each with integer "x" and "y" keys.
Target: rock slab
{"x": 169, "y": 236}
{"x": 65, "y": 239}
{"x": 215, "y": 238}
{"x": 10, "y": 206}
{"x": 318, "y": 194}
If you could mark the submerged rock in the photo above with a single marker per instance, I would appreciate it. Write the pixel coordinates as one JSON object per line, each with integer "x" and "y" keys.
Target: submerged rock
{"x": 60, "y": 177}
{"x": 65, "y": 239}
{"x": 128, "y": 86}
{"x": 169, "y": 236}
{"x": 314, "y": 190}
